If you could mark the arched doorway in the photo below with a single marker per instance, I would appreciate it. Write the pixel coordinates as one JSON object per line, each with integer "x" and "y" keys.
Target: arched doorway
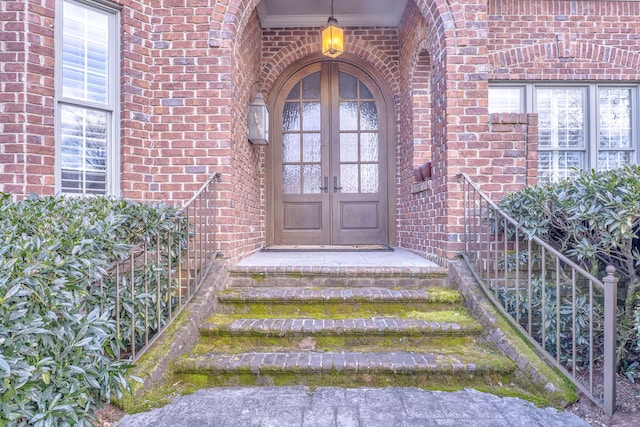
{"x": 330, "y": 164}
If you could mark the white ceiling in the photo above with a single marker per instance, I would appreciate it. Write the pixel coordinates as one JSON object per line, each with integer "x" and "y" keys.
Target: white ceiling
{"x": 314, "y": 13}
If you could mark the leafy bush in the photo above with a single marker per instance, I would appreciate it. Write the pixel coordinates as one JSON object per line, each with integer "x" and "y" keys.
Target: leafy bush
{"x": 546, "y": 333}
{"x": 595, "y": 219}
{"x": 57, "y": 328}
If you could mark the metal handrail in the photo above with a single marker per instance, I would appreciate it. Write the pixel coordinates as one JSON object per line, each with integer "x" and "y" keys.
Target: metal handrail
{"x": 552, "y": 303}
{"x": 154, "y": 283}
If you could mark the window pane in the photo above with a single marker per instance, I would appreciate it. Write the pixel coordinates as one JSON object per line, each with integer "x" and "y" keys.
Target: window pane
{"x": 311, "y": 148}
{"x": 311, "y": 86}
{"x": 291, "y": 116}
{"x": 369, "y": 178}
{"x": 349, "y": 178}
{"x": 348, "y": 116}
{"x": 311, "y": 179}
{"x": 368, "y": 116}
{"x": 348, "y": 86}
{"x": 85, "y": 48}
{"x": 348, "y": 147}
{"x": 615, "y": 118}
{"x": 291, "y": 179}
{"x": 294, "y": 93}
{"x": 561, "y": 117}
{"x": 365, "y": 93}
{"x": 311, "y": 116}
{"x": 291, "y": 148}
{"x": 369, "y": 147}
{"x": 613, "y": 159}
{"x": 83, "y": 149}
{"x": 556, "y": 165}
{"x": 505, "y": 100}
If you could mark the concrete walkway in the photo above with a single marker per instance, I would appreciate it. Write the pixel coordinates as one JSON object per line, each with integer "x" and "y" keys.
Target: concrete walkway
{"x": 398, "y": 258}
{"x": 361, "y": 407}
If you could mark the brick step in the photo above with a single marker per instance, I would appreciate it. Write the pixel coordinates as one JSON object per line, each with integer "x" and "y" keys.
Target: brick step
{"x": 388, "y": 277}
{"x": 338, "y": 295}
{"x": 336, "y": 327}
{"x": 438, "y": 343}
{"x": 259, "y": 363}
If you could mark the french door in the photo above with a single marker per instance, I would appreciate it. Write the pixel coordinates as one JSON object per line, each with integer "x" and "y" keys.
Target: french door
{"x": 330, "y": 166}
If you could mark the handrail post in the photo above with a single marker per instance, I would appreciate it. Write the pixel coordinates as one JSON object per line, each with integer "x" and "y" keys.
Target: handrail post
{"x": 610, "y": 308}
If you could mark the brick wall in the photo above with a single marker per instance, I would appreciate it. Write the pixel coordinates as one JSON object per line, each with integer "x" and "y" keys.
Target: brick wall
{"x": 564, "y": 40}
{"x": 506, "y": 159}
{"x": 190, "y": 67}
{"x": 248, "y": 230}
{"x": 26, "y": 78}
{"x": 455, "y": 43}
{"x": 418, "y": 224}
{"x": 12, "y": 93}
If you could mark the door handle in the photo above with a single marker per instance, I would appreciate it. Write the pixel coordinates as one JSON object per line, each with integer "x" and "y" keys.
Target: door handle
{"x": 326, "y": 185}
{"x": 335, "y": 185}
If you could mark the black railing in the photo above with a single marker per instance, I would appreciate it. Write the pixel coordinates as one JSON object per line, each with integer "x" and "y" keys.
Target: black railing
{"x": 159, "y": 277}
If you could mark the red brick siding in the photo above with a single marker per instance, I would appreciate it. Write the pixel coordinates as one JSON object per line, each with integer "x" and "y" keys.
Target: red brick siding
{"x": 174, "y": 131}
{"x": 248, "y": 231}
{"x": 456, "y": 45}
{"x": 564, "y": 40}
{"x": 417, "y": 222}
{"x": 12, "y": 96}
{"x": 140, "y": 154}
{"x": 189, "y": 69}
{"x": 27, "y": 155}
{"x": 505, "y": 158}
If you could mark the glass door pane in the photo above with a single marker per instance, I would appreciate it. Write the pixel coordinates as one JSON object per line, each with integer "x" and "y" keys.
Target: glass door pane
{"x": 301, "y": 138}
{"x": 359, "y": 167}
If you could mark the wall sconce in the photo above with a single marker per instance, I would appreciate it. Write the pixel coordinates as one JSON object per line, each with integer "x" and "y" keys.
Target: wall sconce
{"x": 258, "y": 121}
{"x": 332, "y": 37}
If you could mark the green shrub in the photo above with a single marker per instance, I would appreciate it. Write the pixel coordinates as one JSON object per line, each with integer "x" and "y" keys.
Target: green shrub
{"x": 594, "y": 218}
{"x": 57, "y": 328}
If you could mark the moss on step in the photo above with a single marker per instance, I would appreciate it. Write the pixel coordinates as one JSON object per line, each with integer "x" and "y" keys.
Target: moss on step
{"x": 428, "y": 312}
{"x": 435, "y": 295}
{"x": 147, "y": 364}
{"x": 364, "y": 343}
{"x": 566, "y": 391}
{"x": 460, "y": 317}
{"x": 536, "y": 375}
{"x": 332, "y": 310}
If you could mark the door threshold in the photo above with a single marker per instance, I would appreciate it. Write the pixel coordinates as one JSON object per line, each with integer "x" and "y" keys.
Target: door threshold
{"x": 328, "y": 248}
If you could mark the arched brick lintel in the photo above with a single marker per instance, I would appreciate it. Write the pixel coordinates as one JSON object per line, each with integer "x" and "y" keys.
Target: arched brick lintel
{"x": 520, "y": 55}
{"x": 309, "y": 45}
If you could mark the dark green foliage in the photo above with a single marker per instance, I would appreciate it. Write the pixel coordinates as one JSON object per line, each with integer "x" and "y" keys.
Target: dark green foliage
{"x": 595, "y": 219}
{"x": 57, "y": 327}
{"x": 545, "y": 330}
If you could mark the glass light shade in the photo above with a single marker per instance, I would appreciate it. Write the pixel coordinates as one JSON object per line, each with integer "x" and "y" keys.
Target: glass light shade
{"x": 258, "y": 121}
{"x": 332, "y": 39}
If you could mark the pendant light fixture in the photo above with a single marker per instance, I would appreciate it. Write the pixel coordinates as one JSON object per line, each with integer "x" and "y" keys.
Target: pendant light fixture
{"x": 332, "y": 37}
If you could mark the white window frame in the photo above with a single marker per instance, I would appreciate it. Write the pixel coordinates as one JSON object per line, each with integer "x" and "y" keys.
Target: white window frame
{"x": 111, "y": 107}
{"x": 591, "y": 112}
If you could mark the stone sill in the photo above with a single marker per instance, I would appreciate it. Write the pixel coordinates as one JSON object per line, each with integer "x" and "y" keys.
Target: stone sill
{"x": 419, "y": 187}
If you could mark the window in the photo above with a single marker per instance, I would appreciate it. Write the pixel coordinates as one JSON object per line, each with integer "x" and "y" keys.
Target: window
{"x": 592, "y": 126}
{"x": 506, "y": 100}
{"x": 86, "y": 98}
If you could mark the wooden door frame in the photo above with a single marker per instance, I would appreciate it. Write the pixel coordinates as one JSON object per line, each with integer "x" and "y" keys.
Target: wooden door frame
{"x": 391, "y": 136}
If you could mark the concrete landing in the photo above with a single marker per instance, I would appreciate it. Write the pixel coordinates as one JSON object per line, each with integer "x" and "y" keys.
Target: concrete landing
{"x": 399, "y": 258}
{"x": 338, "y": 407}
